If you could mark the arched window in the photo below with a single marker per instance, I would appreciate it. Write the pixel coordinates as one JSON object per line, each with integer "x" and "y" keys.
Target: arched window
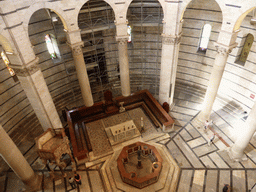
{"x": 246, "y": 50}
{"x": 205, "y": 36}
{"x": 52, "y": 46}
{"x": 7, "y": 62}
{"x": 129, "y": 31}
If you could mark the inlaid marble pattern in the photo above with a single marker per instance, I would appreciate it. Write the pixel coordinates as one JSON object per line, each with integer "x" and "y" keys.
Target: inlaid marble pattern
{"x": 98, "y": 138}
{"x": 203, "y": 168}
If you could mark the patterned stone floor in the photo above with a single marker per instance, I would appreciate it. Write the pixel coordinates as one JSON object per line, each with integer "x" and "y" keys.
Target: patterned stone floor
{"x": 203, "y": 168}
{"x": 98, "y": 138}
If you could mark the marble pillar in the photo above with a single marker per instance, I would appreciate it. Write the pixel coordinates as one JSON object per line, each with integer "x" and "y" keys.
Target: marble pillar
{"x": 170, "y": 51}
{"x": 236, "y": 152}
{"x": 82, "y": 74}
{"x": 37, "y": 92}
{"x": 124, "y": 65}
{"x": 17, "y": 162}
{"x": 214, "y": 81}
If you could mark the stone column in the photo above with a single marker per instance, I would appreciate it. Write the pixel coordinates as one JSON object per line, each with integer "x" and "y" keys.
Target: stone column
{"x": 236, "y": 152}
{"x": 170, "y": 50}
{"x": 13, "y": 157}
{"x": 82, "y": 74}
{"x": 124, "y": 65}
{"x": 34, "y": 85}
{"x": 214, "y": 81}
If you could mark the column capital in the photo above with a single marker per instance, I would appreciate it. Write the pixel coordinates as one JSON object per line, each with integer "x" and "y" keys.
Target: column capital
{"x": 73, "y": 37}
{"x": 72, "y": 32}
{"x": 171, "y": 39}
{"x": 122, "y": 40}
{"x": 121, "y": 23}
{"x": 223, "y": 49}
{"x": 76, "y": 48}
{"x": 27, "y": 69}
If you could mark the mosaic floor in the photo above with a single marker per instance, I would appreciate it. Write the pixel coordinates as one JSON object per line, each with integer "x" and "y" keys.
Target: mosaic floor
{"x": 98, "y": 138}
{"x": 204, "y": 168}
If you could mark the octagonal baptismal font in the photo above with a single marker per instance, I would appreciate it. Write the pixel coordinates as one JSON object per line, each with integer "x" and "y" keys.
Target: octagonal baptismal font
{"x": 139, "y": 164}
{"x": 141, "y": 167}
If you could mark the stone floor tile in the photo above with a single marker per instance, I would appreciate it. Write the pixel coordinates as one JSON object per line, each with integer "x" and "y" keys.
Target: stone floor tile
{"x": 198, "y": 181}
{"x": 251, "y": 178}
{"x": 224, "y": 178}
{"x": 188, "y": 152}
{"x": 218, "y": 161}
{"x": 185, "y": 179}
{"x": 207, "y": 162}
{"x": 14, "y": 183}
{"x": 196, "y": 142}
{"x": 204, "y": 150}
{"x": 211, "y": 181}
{"x": 85, "y": 186}
{"x": 193, "y": 131}
{"x": 2, "y": 181}
{"x": 234, "y": 164}
{"x": 97, "y": 183}
{"x": 239, "y": 183}
{"x": 185, "y": 135}
{"x": 177, "y": 154}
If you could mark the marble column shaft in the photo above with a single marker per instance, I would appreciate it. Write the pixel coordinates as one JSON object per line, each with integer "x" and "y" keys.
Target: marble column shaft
{"x": 244, "y": 137}
{"x": 124, "y": 65}
{"x": 82, "y": 75}
{"x": 214, "y": 82}
{"x": 37, "y": 92}
{"x": 17, "y": 162}
{"x": 170, "y": 47}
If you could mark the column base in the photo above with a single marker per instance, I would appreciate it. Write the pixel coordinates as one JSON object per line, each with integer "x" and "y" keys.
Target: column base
{"x": 34, "y": 184}
{"x": 126, "y": 95}
{"x": 199, "y": 122}
{"x": 201, "y": 117}
{"x": 171, "y": 106}
{"x": 236, "y": 156}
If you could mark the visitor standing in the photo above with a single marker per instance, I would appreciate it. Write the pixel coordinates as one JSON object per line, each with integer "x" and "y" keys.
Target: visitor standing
{"x": 226, "y": 188}
{"x": 72, "y": 182}
{"x": 78, "y": 179}
{"x": 206, "y": 124}
{"x": 211, "y": 140}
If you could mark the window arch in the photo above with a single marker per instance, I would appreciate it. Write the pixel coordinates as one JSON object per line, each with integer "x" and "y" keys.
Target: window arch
{"x": 129, "y": 31}
{"x": 52, "y": 46}
{"x": 7, "y": 62}
{"x": 246, "y": 49}
{"x": 205, "y": 36}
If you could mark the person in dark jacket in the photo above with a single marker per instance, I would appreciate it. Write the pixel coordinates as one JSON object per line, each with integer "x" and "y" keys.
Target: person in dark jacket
{"x": 78, "y": 179}
{"x": 226, "y": 188}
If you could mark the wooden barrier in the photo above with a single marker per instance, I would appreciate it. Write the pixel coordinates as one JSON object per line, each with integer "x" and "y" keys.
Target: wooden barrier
{"x": 78, "y": 117}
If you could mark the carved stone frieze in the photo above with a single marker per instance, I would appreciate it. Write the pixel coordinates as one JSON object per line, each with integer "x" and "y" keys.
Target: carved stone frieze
{"x": 77, "y": 50}
{"x": 170, "y": 40}
{"x": 122, "y": 40}
{"x": 223, "y": 50}
{"x": 26, "y": 70}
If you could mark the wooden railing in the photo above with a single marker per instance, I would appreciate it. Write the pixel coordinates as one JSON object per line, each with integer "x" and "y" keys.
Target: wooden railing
{"x": 78, "y": 117}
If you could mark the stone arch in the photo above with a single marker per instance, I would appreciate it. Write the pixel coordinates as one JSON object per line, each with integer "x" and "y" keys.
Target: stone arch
{"x": 37, "y": 6}
{"x": 241, "y": 18}
{"x": 4, "y": 42}
{"x": 187, "y": 2}
{"x": 162, "y": 3}
{"x": 80, "y": 4}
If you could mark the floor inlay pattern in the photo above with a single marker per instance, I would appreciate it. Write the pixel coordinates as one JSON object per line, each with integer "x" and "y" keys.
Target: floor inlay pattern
{"x": 204, "y": 168}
